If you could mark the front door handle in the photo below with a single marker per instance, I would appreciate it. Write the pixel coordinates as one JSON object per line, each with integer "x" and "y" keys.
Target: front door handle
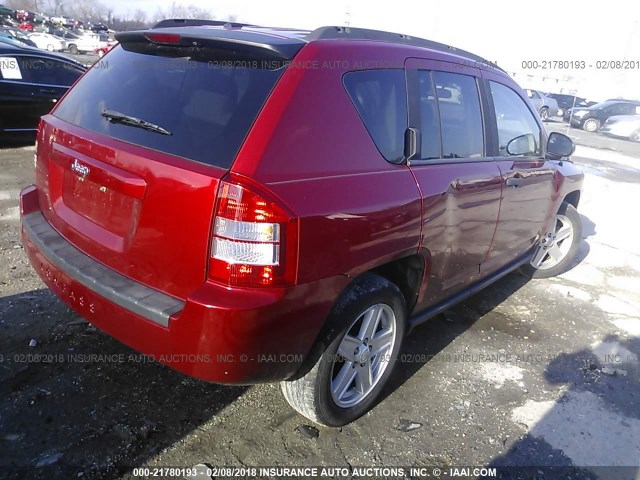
{"x": 514, "y": 182}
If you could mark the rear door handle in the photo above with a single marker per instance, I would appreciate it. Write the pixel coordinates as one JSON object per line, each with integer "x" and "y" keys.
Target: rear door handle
{"x": 514, "y": 182}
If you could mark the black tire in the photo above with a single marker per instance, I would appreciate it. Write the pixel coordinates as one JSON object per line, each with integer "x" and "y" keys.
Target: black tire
{"x": 73, "y": 49}
{"x": 311, "y": 394}
{"x": 591, "y": 125}
{"x": 566, "y": 211}
{"x": 544, "y": 114}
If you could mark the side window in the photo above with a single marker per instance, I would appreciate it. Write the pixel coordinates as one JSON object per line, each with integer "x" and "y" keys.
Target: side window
{"x": 514, "y": 120}
{"x": 10, "y": 69}
{"x": 380, "y": 97}
{"x": 429, "y": 125}
{"x": 532, "y": 94}
{"x": 46, "y": 71}
{"x": 460, "y": 115}
{"x": 628, "y": 109}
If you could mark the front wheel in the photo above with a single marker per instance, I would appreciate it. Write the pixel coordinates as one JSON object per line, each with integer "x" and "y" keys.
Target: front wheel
{"x": 635, "y": 136}
{"x": 355, "y": 355}
{"x": 591, "y": 125}
{"x": 73, "y": 49}
{"x": 558, "y": 247}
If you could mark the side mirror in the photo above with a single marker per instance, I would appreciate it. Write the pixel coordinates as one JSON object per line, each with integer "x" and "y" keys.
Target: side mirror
{"x": 559, "y": 145}
{"x": 522, "y": 145}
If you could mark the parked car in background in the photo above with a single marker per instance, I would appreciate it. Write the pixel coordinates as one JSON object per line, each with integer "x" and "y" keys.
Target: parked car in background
{"x": 545, "y": 106}
{"x": 17, "y": 35}
{"x": 592, "y": 118}
{"x": 6, "y": 11}
{"x": 566, "y": 101}
{"x": 12, "y": 42}
{"x": 85, "y": 43}
{"x": 102, "y": 50}
{"x": 25, "y": 16}
{"x": 48, "y": 42}
{"x": 65, "y": 34}
{"x": 31, "y": 82}
{"x": 7, "y": 22}
{"x": 26, "y": 26}
{"x": 97, "y": 27}
{"x": 310, "y": 271}
{"x": 623, "y": 126}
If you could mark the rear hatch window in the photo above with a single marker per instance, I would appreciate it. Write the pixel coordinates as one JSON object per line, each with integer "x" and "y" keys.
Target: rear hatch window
{"x": 203, "y": 102}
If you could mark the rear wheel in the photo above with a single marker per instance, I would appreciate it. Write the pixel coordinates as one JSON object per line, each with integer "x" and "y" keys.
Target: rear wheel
{"x": 50, "y": 47}
{"x": 635, "y": 136}
{"x": 73, "y": 49}
{"x": 355, "y": 356}
{"x": 591, "y": 125}
{"x": 558, "y": 247}
{"x": 544, "y": 114}
{"x": 101, "y": 53}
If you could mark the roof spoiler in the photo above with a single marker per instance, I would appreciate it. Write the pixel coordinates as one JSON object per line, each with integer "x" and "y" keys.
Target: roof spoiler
{"x": 242, "y": 42}
{"x": 196, "y": 22}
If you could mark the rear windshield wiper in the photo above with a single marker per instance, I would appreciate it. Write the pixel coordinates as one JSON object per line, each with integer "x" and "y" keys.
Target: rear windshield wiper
{"x": 117, "y": 117}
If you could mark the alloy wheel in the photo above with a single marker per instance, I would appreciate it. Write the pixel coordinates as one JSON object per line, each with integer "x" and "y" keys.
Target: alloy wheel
{"x": 555, "y": 245}
{"x": 590, "y": 125}
{"x": 363, "y": 355}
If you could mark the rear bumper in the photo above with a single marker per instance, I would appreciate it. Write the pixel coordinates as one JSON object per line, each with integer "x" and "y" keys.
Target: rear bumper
{"x": 217, "y": 334}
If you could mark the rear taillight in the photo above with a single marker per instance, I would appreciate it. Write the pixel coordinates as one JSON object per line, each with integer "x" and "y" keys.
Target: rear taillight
{"x": 254, "y": 241}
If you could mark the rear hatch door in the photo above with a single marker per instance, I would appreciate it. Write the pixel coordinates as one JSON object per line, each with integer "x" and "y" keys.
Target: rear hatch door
{"x": 130, "y": 160}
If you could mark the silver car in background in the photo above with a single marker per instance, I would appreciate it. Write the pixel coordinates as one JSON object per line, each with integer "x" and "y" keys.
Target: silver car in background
{"x": 623, "y": 126}
{"x": 545, "y": 105}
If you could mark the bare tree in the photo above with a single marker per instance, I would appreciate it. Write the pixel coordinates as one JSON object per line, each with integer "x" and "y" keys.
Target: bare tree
{"x": 177, "y": 10}
{"x": 55, "y": 6}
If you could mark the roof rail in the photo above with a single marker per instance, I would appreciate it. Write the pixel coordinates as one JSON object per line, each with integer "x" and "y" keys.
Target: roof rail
{"x": 622, "y": 100}
{"x": 196, "y": 22}
{"x": 349, "y": 33}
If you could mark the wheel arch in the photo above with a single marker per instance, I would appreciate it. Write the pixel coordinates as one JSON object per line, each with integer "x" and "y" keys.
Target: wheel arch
{"x": 572, "y": 198}
{"x": 407, "y": 273}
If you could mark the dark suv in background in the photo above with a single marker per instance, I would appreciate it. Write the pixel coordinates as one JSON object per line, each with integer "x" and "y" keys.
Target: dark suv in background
{"x": 248, "y": 204}
{"x": 593, "y": 117}
{"x": 566, "y": 101}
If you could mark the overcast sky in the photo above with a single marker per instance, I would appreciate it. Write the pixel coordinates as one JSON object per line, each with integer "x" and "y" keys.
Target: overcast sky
{"x": 503, "y": 31}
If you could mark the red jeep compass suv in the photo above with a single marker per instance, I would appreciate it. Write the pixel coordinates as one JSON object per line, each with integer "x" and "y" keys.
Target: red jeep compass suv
{"x": 249, "y": 205}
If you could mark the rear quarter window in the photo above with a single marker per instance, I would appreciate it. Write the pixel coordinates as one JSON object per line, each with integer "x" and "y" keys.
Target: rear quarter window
{"x": 207, "y": 109}
{"x": 380, "y": 97}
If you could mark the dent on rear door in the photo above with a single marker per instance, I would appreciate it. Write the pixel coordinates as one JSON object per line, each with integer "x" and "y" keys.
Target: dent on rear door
{"x": 460, "y": 185}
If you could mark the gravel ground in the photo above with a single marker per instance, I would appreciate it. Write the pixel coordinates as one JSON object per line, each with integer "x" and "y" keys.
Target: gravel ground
{"x": 544, "y": 373}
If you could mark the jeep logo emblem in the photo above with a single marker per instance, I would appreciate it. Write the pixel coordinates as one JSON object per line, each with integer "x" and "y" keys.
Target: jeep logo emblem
{"x": 79, "y": 168}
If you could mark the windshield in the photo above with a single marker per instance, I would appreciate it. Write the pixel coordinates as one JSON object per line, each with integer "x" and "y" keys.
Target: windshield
{"x": 208, "y": 109}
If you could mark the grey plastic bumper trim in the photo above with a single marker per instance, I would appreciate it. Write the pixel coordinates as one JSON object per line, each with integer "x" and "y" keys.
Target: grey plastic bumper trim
{"x": 144, "y": 301}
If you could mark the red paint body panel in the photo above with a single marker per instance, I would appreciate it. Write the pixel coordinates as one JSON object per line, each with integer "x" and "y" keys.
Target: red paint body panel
{"x": 357, "y": 211}
{"x": 223, "y": 335}
{"x": 153, "y": 219}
